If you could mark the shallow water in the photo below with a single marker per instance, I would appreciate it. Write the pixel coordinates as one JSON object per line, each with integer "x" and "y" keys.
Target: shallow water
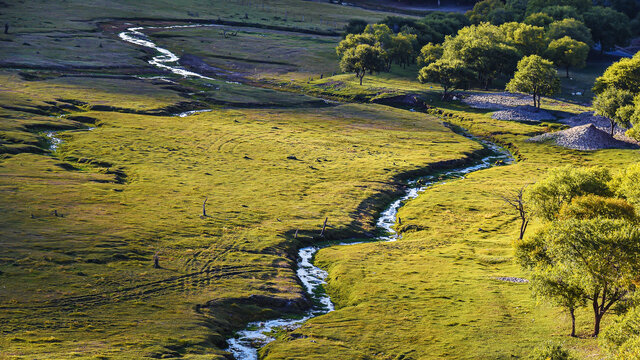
{"x": 245, "y": 344}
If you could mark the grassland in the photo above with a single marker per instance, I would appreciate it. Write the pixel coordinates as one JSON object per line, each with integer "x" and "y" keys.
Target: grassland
{"x": 269, "y": 162}
{"x": 82, "y": 282}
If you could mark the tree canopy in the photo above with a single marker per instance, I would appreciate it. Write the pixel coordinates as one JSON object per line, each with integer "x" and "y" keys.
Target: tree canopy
{"x": 616, "y": 105}
{"x": 623, "y": 75}
{"x": 572, "y": 28}
{"x": 567, "y": 53}
{"x": 535, "y": 76}
{"x": 429, "y": 54}
{"x": 561, "y": 185}
{"x": 450, "y": 74}
{"x": 361, "y": 59}
{"x": 608, "y": 27}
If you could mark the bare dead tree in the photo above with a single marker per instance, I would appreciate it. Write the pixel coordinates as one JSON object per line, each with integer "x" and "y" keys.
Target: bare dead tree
{"x": 324, "y": 226}
{"x": 515, "y": 199}
{"x": 156, "y": 261}
{"x": 204, "y": 207}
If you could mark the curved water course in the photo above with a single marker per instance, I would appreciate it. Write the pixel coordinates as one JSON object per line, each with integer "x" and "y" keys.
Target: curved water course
{"x": 245, "y": 344}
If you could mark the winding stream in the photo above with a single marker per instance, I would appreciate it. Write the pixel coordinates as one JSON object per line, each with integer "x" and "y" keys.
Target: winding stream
{"x": 245, "y": 345}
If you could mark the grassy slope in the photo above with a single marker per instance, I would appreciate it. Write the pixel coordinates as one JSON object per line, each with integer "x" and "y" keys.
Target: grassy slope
{"x": 83, "y": 283}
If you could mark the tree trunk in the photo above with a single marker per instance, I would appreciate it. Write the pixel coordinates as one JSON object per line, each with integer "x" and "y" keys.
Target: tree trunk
{"x": 523, "y": 227}
{"x": 613, "y": 125}
{"x": 361, "y": 76}
{"x": 567, "y": 72}
{"x": 596, "y": 326}
{"x": 534, "y": 101}
{"x": 573, "y": 322}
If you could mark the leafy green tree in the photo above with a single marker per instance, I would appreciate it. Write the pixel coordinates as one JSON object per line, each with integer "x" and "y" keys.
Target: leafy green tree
{"x": 354, "y": 26}
{"x": 561, "y": 185}
{"x": 534, "y": 6}
{"x": 517, "y": 7}
{"x": 402, "y": 48}
{"x": 567, "y": 52}
{"x": 500, "y": 16}
{"x": 591, "y": 206}
{"x": 450, "y": 74}
{"x": 615, "y": 105}
{"x": 353, "y": 40}
{"x": 429, "y": 53}
{"x": 528, "y": 39}
{"x": 535, "y": 76}
{"x": 623, "y": 75}
{"x": 608, "y": 27}
{"x": 382, "y": 34}
{"x": 600, "y": 256}
{"x": 572, "y": 28}
{"x": 363, "y": 58}
{"x": 561, "y": 12}
{"x": 481, "y": 10}
{"x": 539, "y": 19}
{"x": 485, "y": 50}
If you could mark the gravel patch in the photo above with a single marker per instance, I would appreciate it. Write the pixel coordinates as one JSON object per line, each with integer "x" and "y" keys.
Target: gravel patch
{"x": 512, "y": 279}
{"x": 584, "y": 137}
{"x": 523, "y": 113}
{"x": 498, "y": 101}
{"x": 600, "y": 122}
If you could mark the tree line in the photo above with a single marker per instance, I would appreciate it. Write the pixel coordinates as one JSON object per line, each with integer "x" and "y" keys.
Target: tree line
{"x": 488, "y": 42}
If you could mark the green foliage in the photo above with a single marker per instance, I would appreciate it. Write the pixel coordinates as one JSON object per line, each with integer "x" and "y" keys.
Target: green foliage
{"x": 429, "y": 54}
{"x": 547, "y": 196}
{"x": 500, "y": 16}
{"x": 616, "y": 105}
{"x": 355, "y": 26}
{"x": 534, "y": 6}
{"x": 561, "y": 12}
{"x": 623, "y": 75}
{"x": 363, "y": 58}
{"x": 353, "y": 40}
{"x": 535, "y": 76}
{"x": 599, "y": 256}
{"x": 539, "y": 19}
{"x": 621, "y": 339}
{"x": 608, "y": 27}
{"x": 550, "y": 351}
{"x": 402, "y": 48}
{"x": 528, "y": 39}
{"x": 572, "y": 28}
{"x": 591, "y": 206}
{"x": 517, "y": 7}
{"x": 625, "y": 183}
{"x": 484, "y": 48}
{"x": 567, "y": 52}
{"x": 450, "y": 74}
{"x": 481, "y": 10}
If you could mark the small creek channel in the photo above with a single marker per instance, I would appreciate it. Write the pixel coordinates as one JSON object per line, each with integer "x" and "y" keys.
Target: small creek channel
{"x": 245, "y": 345}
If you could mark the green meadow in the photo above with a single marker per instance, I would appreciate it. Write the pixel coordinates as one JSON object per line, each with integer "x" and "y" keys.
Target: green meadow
{"x": 295, "y": 142}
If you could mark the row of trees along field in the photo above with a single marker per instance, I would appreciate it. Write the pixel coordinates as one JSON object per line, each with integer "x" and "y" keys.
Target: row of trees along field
{"x": 460, "y": 51}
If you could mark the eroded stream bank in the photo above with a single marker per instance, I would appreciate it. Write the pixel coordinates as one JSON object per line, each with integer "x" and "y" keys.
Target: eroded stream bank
{"x": 247, "y": 342}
